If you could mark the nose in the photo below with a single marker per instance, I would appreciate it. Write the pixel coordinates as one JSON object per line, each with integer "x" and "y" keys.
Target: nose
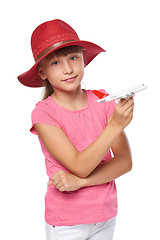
{"x": 67, "y": 68}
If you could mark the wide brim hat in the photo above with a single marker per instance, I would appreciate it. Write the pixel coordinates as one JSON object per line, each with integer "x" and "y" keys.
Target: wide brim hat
{"x": 49, "y": 37}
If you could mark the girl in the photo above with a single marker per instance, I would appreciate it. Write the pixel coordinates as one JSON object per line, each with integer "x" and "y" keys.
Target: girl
{"x": 76, "y": 134}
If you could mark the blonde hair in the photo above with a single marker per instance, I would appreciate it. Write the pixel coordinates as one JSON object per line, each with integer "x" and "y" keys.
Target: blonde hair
{"x": 60, "y": 52}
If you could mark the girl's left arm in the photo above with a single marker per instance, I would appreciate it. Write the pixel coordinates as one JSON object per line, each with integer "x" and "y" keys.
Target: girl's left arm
{"x": 120, "y": 164}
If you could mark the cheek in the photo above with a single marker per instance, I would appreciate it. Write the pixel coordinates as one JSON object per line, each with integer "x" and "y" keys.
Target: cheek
{"x": 52, "y": 74}
{"x": 82, "y": 71}
{"x": 80, "y": 68}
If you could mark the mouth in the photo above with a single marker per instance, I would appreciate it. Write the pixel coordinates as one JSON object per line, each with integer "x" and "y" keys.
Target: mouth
{"x": 69, "y": 79}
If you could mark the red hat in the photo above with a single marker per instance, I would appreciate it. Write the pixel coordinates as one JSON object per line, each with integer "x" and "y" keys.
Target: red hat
{"x": 51, "y": 36}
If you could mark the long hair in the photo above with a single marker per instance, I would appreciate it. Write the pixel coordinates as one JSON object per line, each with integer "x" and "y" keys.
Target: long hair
{"x": 48, "y": 89}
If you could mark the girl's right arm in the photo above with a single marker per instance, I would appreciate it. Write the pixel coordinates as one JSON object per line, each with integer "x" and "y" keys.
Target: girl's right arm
{"x": 83, "y": 163}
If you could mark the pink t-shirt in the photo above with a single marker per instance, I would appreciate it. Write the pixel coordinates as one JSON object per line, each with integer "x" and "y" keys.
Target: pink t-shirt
{"x": 90, "y": 204}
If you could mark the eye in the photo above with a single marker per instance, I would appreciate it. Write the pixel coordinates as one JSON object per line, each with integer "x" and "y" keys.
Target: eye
{"x": 73, "y": 58}
{"x": 55, "y": 63}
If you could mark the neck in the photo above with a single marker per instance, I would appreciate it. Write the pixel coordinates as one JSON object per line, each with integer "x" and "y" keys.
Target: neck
{"x": 74, "y": 100}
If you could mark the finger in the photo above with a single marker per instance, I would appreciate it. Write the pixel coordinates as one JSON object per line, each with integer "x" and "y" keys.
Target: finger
{"x": 50, "y": 183}
{"x": 129, "y": 111}
{"x": 122, "y": 101}
{"x": 127, "y": 99}
{"x": 56, "y": 180}
{"x": 59, "y": 185}
{"x": 62, "y": 189}
{"x": 131, "y": 106}
{"x": 54, "y": 175}
{"x": 128, "y": 103}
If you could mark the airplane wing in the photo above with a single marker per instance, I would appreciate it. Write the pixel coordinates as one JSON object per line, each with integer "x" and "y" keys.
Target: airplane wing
{"x": 123, "y": 94}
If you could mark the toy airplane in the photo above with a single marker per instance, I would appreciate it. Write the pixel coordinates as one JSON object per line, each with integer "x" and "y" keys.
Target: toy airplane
{"x": 127, "y": 93}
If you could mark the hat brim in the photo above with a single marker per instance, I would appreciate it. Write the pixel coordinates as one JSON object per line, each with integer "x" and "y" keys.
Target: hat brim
{"x": 31, "y": 78}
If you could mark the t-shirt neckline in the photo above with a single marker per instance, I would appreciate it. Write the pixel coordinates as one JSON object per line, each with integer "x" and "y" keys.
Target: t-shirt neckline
{"x": 70, "y": 111}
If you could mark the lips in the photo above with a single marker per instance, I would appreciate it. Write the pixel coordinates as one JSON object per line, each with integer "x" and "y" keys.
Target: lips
{"x": 69, "y": 79}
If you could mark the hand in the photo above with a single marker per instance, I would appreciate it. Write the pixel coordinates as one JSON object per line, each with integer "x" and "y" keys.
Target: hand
{"x": 123, "y": 113}
{"x": 65, "y": 181}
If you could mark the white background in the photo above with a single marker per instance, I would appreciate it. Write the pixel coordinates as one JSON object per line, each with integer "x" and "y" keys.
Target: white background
{"x": 130, "y": 32}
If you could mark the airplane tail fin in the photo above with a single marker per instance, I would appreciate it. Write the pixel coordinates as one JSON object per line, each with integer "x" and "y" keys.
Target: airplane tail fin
{"x": 99, "y": 94}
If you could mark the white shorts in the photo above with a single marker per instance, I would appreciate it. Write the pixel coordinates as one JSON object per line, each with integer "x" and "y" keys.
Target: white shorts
{"x": 96, "y": 231}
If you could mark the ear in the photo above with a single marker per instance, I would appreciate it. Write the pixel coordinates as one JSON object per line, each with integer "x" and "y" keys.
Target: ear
{"x": 41, "y": 73}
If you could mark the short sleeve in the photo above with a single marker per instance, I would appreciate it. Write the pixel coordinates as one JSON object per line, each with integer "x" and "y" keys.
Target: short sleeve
{"x": 40, "y": 114}
{"x": 110, "y": 106}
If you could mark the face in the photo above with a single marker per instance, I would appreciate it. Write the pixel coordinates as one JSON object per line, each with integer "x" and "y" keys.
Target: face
{"x": 63, "y": 72}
